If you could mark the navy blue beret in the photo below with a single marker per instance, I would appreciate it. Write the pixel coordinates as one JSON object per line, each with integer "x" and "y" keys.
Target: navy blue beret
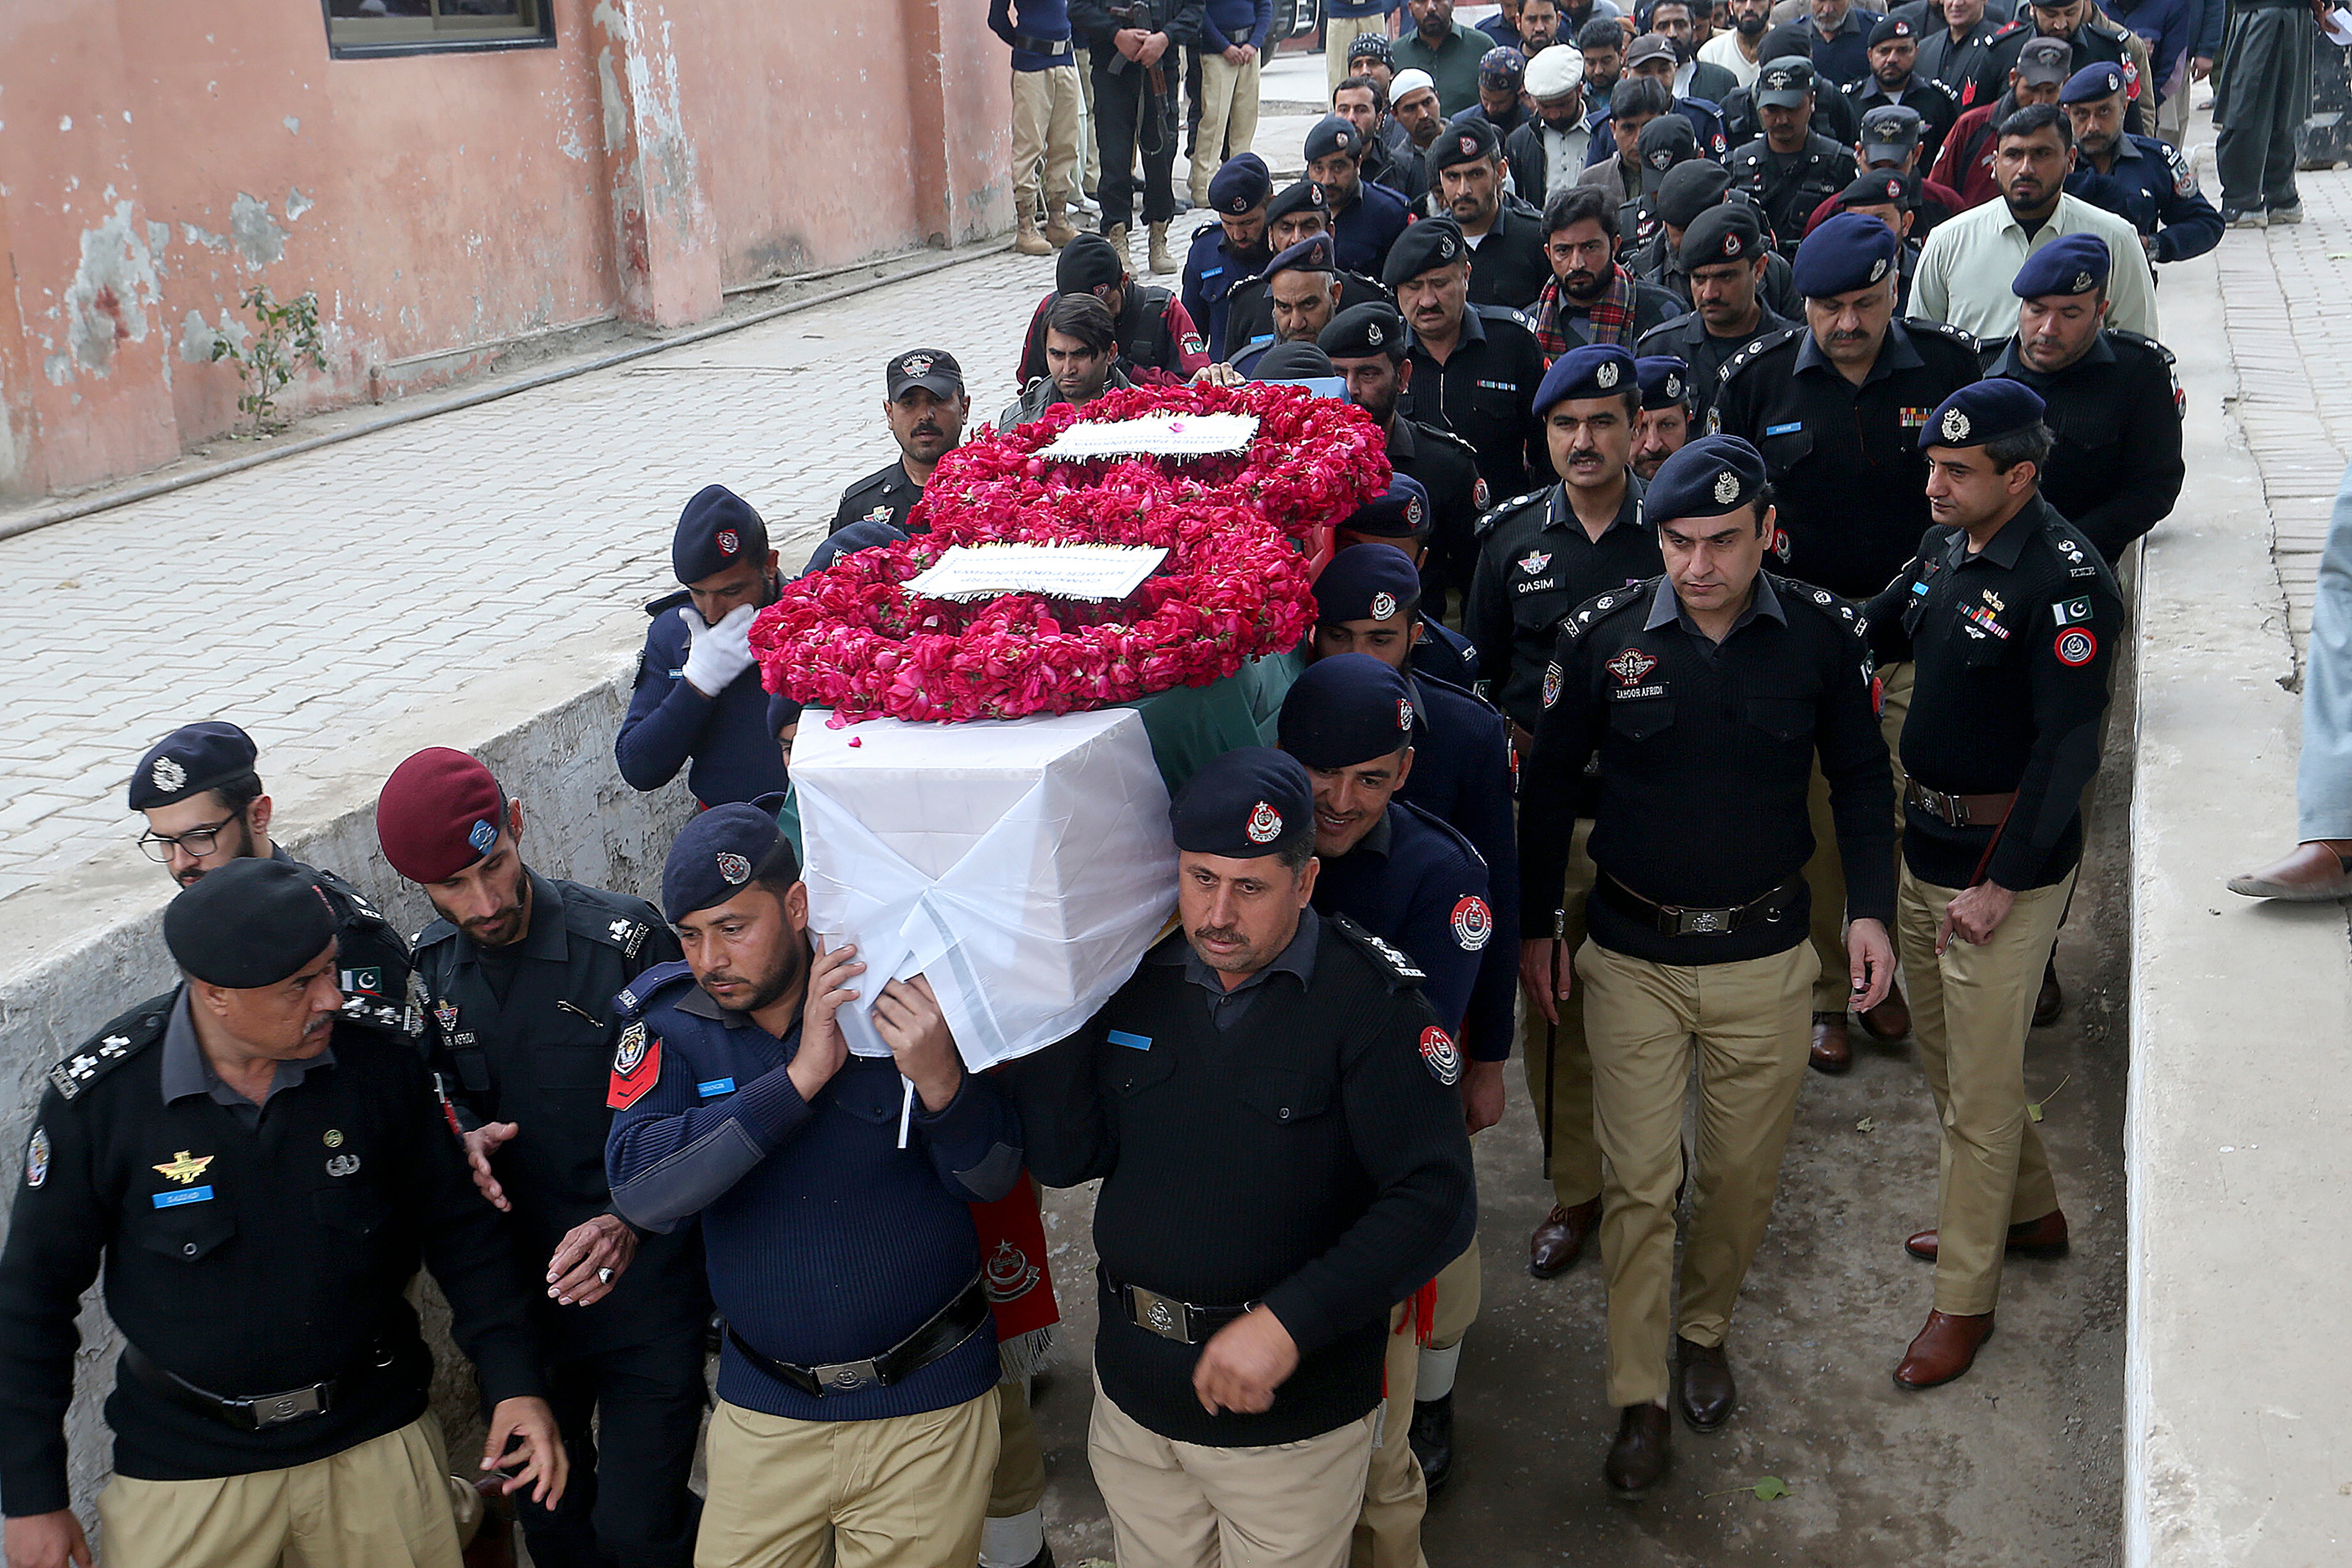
{"x": 1708, "y": 476}
{"x": 1664, "y": 379}
{"x": 1462, "y": 142}
{"x": 782, "y": 711}
{"x": 1502, "y": 66}
{"x": 1431, "y": 243}
{"x": 1359, "y": 332}
{"x": 871, "y": 533}
{"x": 1366, "y": 583}
{"x": 1982, "y": 410}
{"x": 1299, "y": 196}
{"x": 1312, "y": 254}
{"x": 1729, "y": 232}
{"x": 720, "y": 853}
{"x": 716, "y": 530}
{"x": 2092, "y": 83}
{"x": 1590, "y": 369}
{"x": 1401, "y": 511}
{"x": 193, "y": 757}
{"x": 1243, "y": 804}
{"x": 1294, "y": 362}
{"x": 1334, "y": 133}
{"x": 2070, "y": 264}
{"x": 1240, "y": 184}
{"x": 1848, "y": 251}
{"x": 251, "y": 923}
{"x": 1346, "y": 710}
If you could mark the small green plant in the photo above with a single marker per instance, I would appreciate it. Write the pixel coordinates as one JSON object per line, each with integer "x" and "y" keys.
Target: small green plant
{"x": 285, "y": 339}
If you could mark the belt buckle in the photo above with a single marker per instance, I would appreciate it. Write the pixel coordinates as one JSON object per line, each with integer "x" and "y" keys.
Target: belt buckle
{"x": 275, "y": 1409}
{"x": 1697, "y": 922}
{"x": 1170, "y": 1319}
{"x": 847, "y": 1377}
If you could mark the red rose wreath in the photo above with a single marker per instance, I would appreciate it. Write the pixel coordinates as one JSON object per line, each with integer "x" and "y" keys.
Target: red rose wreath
{"x": 1235, "y": 585}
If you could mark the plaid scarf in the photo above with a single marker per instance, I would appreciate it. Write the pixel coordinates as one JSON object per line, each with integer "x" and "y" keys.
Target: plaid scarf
{"x": 1611, "y": 316}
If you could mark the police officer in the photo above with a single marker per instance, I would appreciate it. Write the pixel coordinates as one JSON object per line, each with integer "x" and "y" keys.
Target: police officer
{"x": 1664, "y": 424}
{"x": 1836, "y": 406}
{"x": 926, "y": 406}
{"x": 1367, "y": 344}
{"x": 1365, "y": 218}
{"x": 1298, "y": 215}
{"x": 2091, "y": 38}
{"x": 519, "y": 973}
{"x": 1271, "y": 1106}
{"x": 258, "y": 1180}
{"x": 1504, "y": 235}
{"x": 206, "y": 808}
{"x": 1159, "y": 344}
{"x": 845, "y": 1263}
{"x": 1475, "y": 368}
{"x": 1723, "y": 260}
{"x": 1955, "y": 52}
{"x": 2010, "y": 620}
{"x": 1791, "y": 167}
{"x": 1688, "y": 190}
{"x": 1303, "y": 287}
{"x": 2135, "y": 176}
{"x": 1892, "y": 198}
{"x": 1895, "y": 79}
{"x": 697, "y": 702}
{"x": 1706, "y": 695}
{"x": 2113, "y": 405}
{"x": 1231, "y": 248}
{"x": 1397, "y": 521}
{"x": 1542, "y": 554}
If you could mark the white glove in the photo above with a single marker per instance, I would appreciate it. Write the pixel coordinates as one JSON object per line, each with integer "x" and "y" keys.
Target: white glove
{"x": 716, "y": 655}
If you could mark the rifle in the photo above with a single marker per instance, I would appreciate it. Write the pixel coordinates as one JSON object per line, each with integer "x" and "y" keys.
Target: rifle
{"x": 1155, "y": 122}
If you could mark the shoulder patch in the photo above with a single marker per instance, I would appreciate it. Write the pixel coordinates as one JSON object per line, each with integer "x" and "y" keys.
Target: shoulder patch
{"x": 632, "y": 999}
{"x": 124, "y": 1038}
{"x": 636, "y": 1066}
{"x": 1401, "y": 972}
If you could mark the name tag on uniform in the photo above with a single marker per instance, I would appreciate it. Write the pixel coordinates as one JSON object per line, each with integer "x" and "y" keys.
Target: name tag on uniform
{"x": 1134, "y": 1042}
{"x": 1788, "y": 429}
{"x": 1212, "y": 271}
{"x": 716, "y": 1086}
{"x": 176, "y": 1200}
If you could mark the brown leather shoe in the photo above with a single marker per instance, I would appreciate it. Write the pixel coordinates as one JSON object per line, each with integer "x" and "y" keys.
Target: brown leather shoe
{"x": 2316, "y": 872}
{"x": 1559, "y": 1240}
{"x": 1704, "y": 1390}
{"x": 1944, "y": 1349}
{"x": 1639, "y": 1456}
{"x": 1832, "y": 1051}
{"x": 2043, "y": 1237}
{"x": 1890, "y": 1020}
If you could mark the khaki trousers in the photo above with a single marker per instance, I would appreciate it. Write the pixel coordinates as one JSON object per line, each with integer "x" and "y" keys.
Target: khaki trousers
{"x": 1825, "y": 875}
{"x": 1575, "y": 1155}
{"x": 1228, "y": 114}
{"x": 382, "y": 1504}
{"x": 1970, "y": 1009}
{"x": 1748, "y": 1023}
{"x": 1180, "y": 1505}
{"x": 1019, "y": 1483}
{"x": 1338, "y": 32}
{"x": 1388, "y": 1530}
{"x": 906, "y": 1491}
{"x": 1044, "y": 137}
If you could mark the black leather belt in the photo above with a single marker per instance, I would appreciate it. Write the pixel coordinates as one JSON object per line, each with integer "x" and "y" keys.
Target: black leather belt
{"x": 1028, "y": 45}
{"x": 248, "y": 1413}
{"x": 1680, "y": 920}
{"x": 940, "y": 1333}
{"x": 1171, "y": 1319}
{"x": 1959, "y": 810}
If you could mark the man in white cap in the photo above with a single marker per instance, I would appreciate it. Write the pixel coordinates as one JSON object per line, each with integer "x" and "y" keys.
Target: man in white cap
{"x": 1549, "y": 152}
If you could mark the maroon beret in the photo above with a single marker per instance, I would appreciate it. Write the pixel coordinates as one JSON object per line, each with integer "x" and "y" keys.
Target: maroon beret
{"x": 439, "y": 812}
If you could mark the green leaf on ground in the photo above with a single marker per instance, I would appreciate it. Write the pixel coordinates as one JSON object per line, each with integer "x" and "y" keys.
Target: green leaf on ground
{"x": 2034, "y": 1107}
{"x": 1867, "y": 1125}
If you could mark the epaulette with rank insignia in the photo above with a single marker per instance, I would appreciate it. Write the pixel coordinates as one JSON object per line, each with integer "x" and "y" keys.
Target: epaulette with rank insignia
{"x": 118, "y": 1042}
{"x": 634, "y": 998}
{"x": 603, "y": 922}
{"x": 1401, "y": 972}
{"x": 1486, "y": 520}
{"x": 1832, "y": 606}
{"x": 1967, "y": 340}
{"x": 2144, "y": 341}
{"x": 1759, "y": 348}
{"x": 1600, "y": 606}
{"x": 2011, "y": 29}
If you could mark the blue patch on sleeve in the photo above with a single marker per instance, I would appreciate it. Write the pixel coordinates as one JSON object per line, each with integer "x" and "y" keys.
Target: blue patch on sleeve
{"x": 716, "y": 1086}
{"x": 1135, "y": 1042}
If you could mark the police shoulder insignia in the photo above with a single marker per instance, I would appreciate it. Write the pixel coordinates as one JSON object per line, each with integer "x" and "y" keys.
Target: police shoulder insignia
{"x": 636, "y": 1066}
{"x": 36, "y": 1158}
{"x": 1442, "y": 1056}
{"x": 1401, "y": 972}
{"x": 120, "y": 1041}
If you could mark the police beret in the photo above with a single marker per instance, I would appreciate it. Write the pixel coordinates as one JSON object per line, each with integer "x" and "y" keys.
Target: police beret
{"x": 1891, "y": 129}
{"x": 1784, "y": 83}
{"x": 1368, "y": 46}
{"x": 1708, "y": 476}
{"x": 1890, "y": 29}
{"x": 192, "y": 758}
{"x": 1689, "y": 189}
{"x": 1243, "y": 803}
{"x": 1729, "y": 231}
{"x": 720, "y": 853}
{"x": 1848, "y": 251}
{"x": 1334, "y": 133}
{"x": 1502, "y": 66}
{"x": 1649, "y": 47}
{"x": 1240, "y": 184}
{"x": 870, "y": 534}
{"x": 1294, "y": 362}
{"x": 438, "y": 813}
{"x": 249, "y": 924}
{"x": 1366, "y": 583}
{"x": 1664, "y": 379}
{"x": 1431, "y": 243}
{"x": 1407, "y": 82}
{"x": 1087, "y": 263}
{"x": 2070, "y": 264}
{"x": 1347, "y": 710}
{"x": 782, "y": 711}
{"x": 716, "y": 530}
{"x": 1589, "y": 370}
{"x": 1879, "y": 187}
{"x": 1982, "y": 410}
{"x": 1304, "y": 195}
{"x": 1362, "y": 330}
{"x": 2041, "y": 61}
{"x": 1401, "y": 511}
{"x": 933, "y": 370}
{"x": 1555, "y": 72}
{"x": 1312, "y": 254}
{"x": 1665, "y": 142}
{"x": 2092, "y": 83}
{"x": 1463, "y": 142}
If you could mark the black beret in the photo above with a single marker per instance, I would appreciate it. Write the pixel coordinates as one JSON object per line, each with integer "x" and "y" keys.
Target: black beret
{"x": 1367, "y": 583}
{"x": 1401, "y": 511}
{"x": 1708, "y": 476}
{"x": 1848, "y": 251}
{"x": 1784, "y": 83}
{"x": 1087, "y": 263}
{"x": 1313, "y": 254}
{"x": 1240, "y": 184}
{"x": 1667, "y": 140}
{"x": 1294, "y": 362}
{"x": 1501, "y": 67}
{"x": 190, "y": 759}
{"x": 1729, "y": 231}
{"x": 1431, "y": 243}
{"x": 2070, "y": 264}
{"x": 249, "y": 924}
{"x": 1334, "y": 133}
{"x": 1347, "y": 711}
{"x": 1878, "y": 188}
{"x": 1243, "y": 804}
{"x": 1300, "y": 196}
{"x": 1362, "y": 330}
{"x": 716, "y": 530}
{"x": 933, "y": 370}
{"x": 720, "y": 853}
{"x": 1890, "y": 29}
{"x": 1589, "y": 370}
{"x": 1982, "y": 410}
{"x": 1463, "y": 142}
{"x": 2092, "y": 83}
{"x": 1689, "y": 189}
{"x": 1664, "y": 379}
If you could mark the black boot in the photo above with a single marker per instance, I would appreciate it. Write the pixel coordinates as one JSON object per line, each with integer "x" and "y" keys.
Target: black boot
{"x": 1433, "y": 1440}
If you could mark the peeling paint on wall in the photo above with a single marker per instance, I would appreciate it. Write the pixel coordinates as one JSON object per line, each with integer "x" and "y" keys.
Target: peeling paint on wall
{"x": 259, "y": 238}
{"x": 297, "y": 204}
{"x": 111, "y": 292}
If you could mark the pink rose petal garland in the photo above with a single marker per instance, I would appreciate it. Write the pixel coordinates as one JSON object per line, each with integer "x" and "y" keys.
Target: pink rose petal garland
{"x": 1235, "y": 585}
